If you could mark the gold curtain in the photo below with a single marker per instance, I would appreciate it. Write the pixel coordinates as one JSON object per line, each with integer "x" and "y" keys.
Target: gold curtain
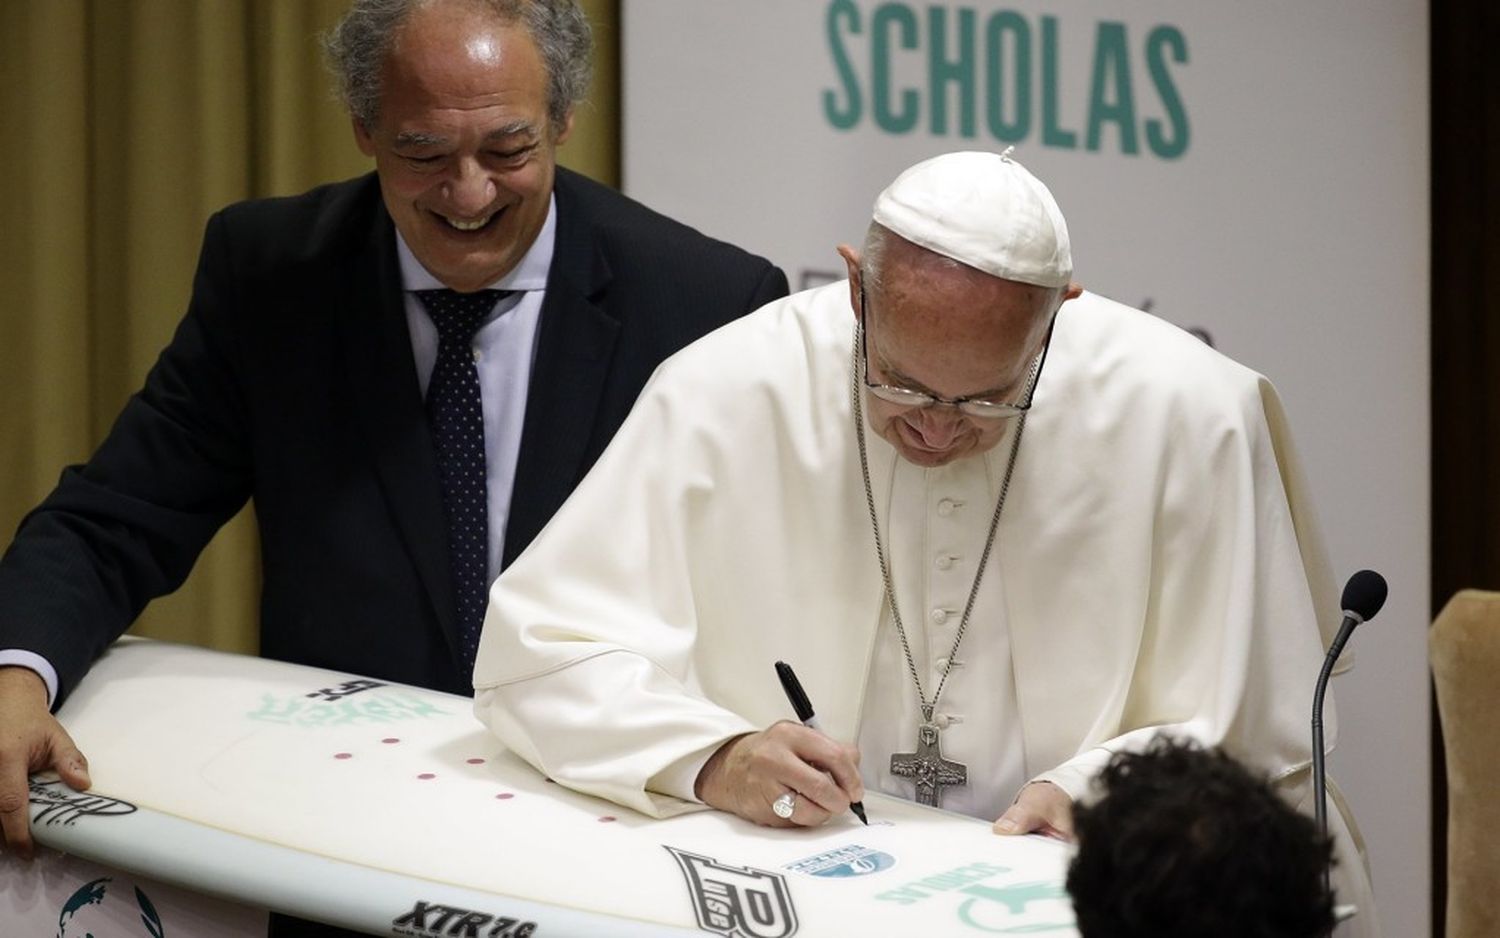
{"x": 129, "y": 122}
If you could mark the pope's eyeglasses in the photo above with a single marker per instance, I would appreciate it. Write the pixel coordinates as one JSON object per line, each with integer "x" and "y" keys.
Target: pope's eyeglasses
{"x": 970, "y": 406}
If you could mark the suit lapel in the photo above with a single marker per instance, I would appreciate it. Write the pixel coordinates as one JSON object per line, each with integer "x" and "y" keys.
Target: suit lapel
{"x": 575, "y": 343}
{"x": 387, "y": 403}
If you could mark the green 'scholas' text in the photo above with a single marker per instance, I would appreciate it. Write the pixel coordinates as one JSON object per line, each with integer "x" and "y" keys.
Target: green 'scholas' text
{"x": 997, "y": 75}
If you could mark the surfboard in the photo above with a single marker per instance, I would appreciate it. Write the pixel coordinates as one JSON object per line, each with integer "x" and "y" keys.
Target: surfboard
{"x": 391, "y": 810}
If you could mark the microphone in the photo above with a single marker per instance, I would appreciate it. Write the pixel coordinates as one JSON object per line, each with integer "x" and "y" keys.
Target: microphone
{"x": 1364, "y": 594}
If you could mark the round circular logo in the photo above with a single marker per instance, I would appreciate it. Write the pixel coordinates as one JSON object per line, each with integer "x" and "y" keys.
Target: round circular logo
{"x": 98, "y": 909}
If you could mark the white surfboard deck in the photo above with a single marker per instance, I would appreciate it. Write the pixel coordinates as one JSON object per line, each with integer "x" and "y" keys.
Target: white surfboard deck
{"x": 390, "y": 809}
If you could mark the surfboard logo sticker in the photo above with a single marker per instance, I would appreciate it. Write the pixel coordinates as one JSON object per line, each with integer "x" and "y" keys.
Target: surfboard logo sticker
{"x": 343, "y": 690}
{"x": 737, "y": 901}
{"x": 853, "y": 860}
{"x": 62, "y": 805}
{"x": 433, "y": 919}
{"x": 92, "y": 909}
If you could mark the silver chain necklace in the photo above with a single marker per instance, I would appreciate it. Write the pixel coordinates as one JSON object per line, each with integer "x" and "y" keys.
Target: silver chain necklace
{"x": 926, "y": 765}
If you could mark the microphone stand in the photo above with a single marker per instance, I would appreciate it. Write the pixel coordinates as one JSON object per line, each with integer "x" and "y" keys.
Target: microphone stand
{"x": 1320, "y": 784}
{"x": 1320, "y": 778}
{"x": 1364, "y": 594}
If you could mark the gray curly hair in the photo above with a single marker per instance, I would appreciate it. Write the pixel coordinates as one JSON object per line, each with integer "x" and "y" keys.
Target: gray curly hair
{"x": 356, "y": 47}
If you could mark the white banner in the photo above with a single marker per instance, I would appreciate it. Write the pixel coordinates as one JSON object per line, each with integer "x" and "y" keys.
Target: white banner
{"x": 1255, "y": 171}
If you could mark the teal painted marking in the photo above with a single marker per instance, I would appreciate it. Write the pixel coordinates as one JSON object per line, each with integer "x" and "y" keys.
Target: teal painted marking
{"x": 380, "y": 708}
{"x": 1015, "y": 900}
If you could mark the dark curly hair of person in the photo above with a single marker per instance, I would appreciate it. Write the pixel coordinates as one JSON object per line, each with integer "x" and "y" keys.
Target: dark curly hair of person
{"x": 1188, "y": 843}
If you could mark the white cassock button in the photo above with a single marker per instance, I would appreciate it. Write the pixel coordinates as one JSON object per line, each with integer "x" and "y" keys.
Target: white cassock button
{"x": 946, "y": 507}
{"x": 941, "y": 721}
{"x": 944, "y": 561}
{"x": 939, "y": 616}
{"x": 941, "y": 664}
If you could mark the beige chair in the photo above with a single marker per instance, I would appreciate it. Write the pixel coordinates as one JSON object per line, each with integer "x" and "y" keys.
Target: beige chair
{"x": 1464, "y": 649}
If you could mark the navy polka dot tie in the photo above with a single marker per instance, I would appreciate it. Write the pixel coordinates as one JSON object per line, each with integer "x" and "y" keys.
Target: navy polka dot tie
{"x": 457, "y": 420}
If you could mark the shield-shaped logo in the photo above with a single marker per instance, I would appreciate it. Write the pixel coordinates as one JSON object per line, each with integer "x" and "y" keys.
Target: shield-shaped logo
{"x": 737, "y": 901}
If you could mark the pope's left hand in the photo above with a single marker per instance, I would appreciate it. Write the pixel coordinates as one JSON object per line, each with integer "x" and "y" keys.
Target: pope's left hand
{"x": 1040, "y": 808}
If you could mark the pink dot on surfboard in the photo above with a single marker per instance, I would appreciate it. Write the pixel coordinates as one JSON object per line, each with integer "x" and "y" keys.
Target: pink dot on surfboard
{"x": 503, "y": 796}
{"x": 426, "y": 775}
{"x": 475, "y": 761}
{"x": 390, "y": 739}
{"x": 607, "y": 818}
{"x": 343, "y": 755}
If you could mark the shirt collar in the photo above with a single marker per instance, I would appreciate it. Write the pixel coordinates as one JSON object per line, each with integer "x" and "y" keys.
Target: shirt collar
{"x": 529, "y": 274}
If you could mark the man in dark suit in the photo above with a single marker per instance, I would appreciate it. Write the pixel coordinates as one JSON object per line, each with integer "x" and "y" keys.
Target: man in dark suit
{"x": 317, "y": 372}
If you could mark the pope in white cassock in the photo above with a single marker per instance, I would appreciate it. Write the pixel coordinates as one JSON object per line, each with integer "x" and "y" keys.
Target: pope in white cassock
{"x": 1001, "y": 528}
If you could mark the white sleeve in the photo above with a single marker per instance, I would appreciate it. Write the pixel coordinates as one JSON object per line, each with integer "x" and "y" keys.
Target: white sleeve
{"x": 586, "y": 663}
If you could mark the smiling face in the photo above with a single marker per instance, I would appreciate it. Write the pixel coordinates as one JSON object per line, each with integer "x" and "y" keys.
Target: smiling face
{"x": 940, "y": 327}
{"x": 462, "y": 144}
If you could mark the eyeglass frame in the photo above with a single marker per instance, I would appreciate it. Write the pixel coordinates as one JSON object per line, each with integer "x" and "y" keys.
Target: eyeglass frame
{"x": 910, "y": 399}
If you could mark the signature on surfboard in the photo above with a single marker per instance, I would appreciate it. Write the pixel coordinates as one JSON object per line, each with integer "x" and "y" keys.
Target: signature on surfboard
{"x": 63, "y": 805}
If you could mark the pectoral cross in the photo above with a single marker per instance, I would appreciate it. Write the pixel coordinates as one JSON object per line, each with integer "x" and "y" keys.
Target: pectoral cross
{"x": 932, "y": 772}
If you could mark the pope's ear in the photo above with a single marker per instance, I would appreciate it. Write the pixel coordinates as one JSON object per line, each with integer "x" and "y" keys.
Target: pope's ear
{"x": 1072, "y": 291}
{"x": 851, "y": 261}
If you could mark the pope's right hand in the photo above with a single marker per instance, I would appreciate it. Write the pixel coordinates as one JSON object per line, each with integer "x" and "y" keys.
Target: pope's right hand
{"x": 31, "y": 740}
{"x": 746, "y": 775}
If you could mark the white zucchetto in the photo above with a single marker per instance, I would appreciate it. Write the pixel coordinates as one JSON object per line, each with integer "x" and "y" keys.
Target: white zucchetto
{"x": 984, "y": 210}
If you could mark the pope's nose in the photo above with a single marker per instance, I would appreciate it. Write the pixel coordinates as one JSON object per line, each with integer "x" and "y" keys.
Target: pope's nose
{"x": 938, "y": 426}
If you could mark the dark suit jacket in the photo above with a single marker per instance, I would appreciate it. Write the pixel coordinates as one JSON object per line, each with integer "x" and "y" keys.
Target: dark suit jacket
{"x": 291, "y": 381}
